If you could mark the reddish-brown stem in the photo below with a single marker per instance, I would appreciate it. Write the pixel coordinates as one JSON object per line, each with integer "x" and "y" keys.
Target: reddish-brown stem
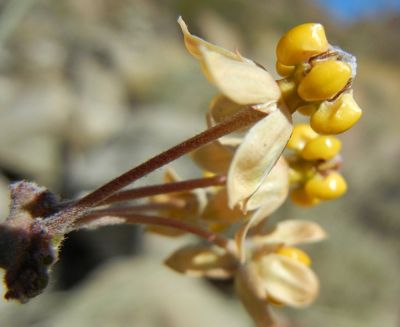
{"x": 172, "y": 204}
{"x": 182, "y": 186}
{"x": 133, "y": 218}
{"x": 59, "y": 222}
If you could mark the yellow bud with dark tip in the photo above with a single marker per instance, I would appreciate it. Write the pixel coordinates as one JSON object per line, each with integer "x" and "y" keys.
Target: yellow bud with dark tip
{"x": 336, "y": 117}
{"x": 327, "y": 187}
{"x": 324, "y": 81}
{"x": 301, "y": 43}
{"x": 296, "y": 254}
{"x": 300, "y": 197}
{"x": 302, "y": 133}
{"x": 322, "y": 147}
{"x": 284, "y": 70}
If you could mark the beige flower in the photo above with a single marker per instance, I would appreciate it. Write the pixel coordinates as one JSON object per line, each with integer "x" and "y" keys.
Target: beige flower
{"x": 250, "y": 86}
{"x": 267, "y": 276}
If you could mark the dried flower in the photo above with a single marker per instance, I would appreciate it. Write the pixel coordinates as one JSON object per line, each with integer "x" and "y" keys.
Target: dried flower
{"x": 248, "y": 86}
{"x": 268, "y": 276}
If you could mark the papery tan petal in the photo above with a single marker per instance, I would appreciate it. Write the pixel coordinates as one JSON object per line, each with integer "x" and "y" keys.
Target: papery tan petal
{"x": 292, "y": 232}
{"x": 213, "y": 157}
{"x": 194, "y": 43}
{"x": 257, "y": 155}
{"x": 257, "y": 307}
{"x": 241, "y": 81}
{"x": 220, "y": 109}
{"x": 217, "y": 209}
{"x": 273, "y": 190}
{"x": 268, "y": 198}
{"x": 286, "y": 280}
{"x": 202, "y": 261}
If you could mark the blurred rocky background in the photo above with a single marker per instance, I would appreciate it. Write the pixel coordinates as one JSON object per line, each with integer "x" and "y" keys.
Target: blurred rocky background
{"x": 89, "y": 88}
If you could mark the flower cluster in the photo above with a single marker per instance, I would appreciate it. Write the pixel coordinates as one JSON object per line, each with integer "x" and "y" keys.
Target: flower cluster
{"x": 314, "y": 162}
{"x": 317, "y": 79}
{"x": 249, "y": 127}
{"x": 265, "y": 266}
{"x": 274, "y": 272}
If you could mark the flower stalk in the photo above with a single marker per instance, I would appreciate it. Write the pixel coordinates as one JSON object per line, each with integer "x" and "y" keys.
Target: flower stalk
{"x": 135, "y": 218}
{"x": 60, "y": 222}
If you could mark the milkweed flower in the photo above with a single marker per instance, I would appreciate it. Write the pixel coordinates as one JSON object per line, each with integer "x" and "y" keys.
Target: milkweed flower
{"x": 274, "y": 272}
{"x": 250, "y": 86}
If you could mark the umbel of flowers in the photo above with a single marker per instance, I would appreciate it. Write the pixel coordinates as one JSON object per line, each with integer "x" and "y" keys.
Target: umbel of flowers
{"x": 317, "y": 82}
{"x": 252, "y": 158}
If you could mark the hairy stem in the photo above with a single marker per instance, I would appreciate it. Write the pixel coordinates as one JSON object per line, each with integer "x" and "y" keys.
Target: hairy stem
{"x": 172, "y": 204}
{"x": 133, "y": 218}
{"x": 60, "y": 222}
{"x": 182, "y": 186}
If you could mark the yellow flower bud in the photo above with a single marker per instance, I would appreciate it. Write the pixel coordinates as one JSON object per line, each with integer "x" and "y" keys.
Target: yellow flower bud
{"x": 300, "y": 197}
{"x": 289, "y": 94}
{"x": 324, "y": 80}
{"x": 327, "y": 187}
{"x": 300, "y": 171}
{"x": 284, "y": 70}
{"x": 301, "y": 43}
{"x": 322, "y": 147}
{"x": 296, "y": 254}
{"x": 336, "y": 117}
{"x": 307, "y": 109}
{"x": 302, "y": 133}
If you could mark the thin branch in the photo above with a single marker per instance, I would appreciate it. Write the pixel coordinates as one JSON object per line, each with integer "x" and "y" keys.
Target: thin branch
{"x": 60, "y": 222}
{"x": 132, "y": 218}
{"x": 181, "y": 186}
{"x": 171, "y": 204}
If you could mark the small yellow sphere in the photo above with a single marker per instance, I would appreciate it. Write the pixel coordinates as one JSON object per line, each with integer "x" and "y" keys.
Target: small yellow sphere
{"x": 301, "y": 198}
{"x": 322, "y": 147}
{"x": 336, "y": 117}
{"x": 284, "y": 70}
{"x": 302, "y": 133}
{"x": 301, "y": 43}
{"x": 296, "y": 254}
{"x": 324, "y": 81}
{"x": 327, "y": 187}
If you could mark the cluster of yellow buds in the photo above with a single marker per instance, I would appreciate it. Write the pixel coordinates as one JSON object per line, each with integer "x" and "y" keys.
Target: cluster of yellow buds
{"x": 313, "y": 166}
{"x": 317, "y": 79}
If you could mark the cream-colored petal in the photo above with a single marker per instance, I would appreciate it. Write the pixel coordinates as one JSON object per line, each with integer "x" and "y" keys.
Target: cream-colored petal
{"x": 257, "y": 155}
{"x": 268, "y": 198}
{"x": 292, "y": 232}
{"x": 256, "y": 307}
{"x": 194, "y": 43}
{"x": 220, "y": 109}
{"x": 217, "y": 209}
{"x": 286, "y": 280}
{"x": 241, "y": 81}
{"x": 213, "y": 157}
{"x": 202, "y": 261}
{"x": 274, "y": 186}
